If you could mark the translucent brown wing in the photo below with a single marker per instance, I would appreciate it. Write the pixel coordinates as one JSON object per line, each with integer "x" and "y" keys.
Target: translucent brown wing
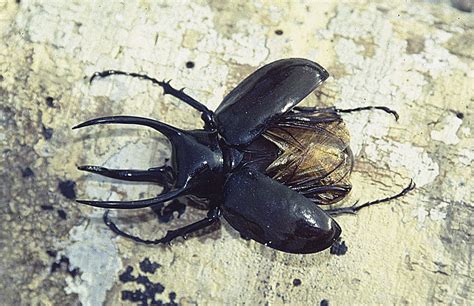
{"x": 316, "y": 159}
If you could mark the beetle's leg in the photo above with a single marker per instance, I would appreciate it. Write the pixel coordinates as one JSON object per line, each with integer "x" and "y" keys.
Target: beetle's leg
{"x": 163, "y": 176}
{"x": 311, "y": 109}
{"x": 355, "y": 208}
{"x": 212, "y": 216}
{"x": 306, "y": 109}
{"x": 382, "y": 108}
{"x": 207, "y": 115}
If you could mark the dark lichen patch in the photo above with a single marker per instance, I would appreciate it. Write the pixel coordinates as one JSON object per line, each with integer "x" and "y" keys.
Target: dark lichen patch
{"x": 2, "y": 78}
{"x": 149, "y": 267}
{"x": 127, "y": 276}
{"x": 47, "y": 207}
{"x": 166, "y": 214}
{"x": 52, "y": 253}
{"x": 278, "y": 32}
{"x": 63, "y": 265}
{"x": 147, "y": 296}
{"x": 47, "y": 132}
{"x": 190, "y": 64}
{"x": 338, "y": 248}
{"x": 67, "y": 189}
{"x": 297, "y": 282}
{"x": 172, "y": 296}
{"x": 415, "y": 44}
{"x": 324, "y": 303}
{"x": 27, "y": 172}
{"x": 62, "y": 214}
{"x": 49, "y": 101}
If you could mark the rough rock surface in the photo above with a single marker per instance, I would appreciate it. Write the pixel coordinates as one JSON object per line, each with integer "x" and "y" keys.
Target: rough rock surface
{"x": 416, "y": 58}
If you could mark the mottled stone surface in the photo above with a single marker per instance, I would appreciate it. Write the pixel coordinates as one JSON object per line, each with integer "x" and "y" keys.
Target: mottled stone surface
{"x": 416, "y": 58}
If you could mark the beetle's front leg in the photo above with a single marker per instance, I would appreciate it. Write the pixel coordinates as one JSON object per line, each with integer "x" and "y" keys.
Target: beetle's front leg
{"x": 212, "y": 216}
{"x": 207, "y": 115}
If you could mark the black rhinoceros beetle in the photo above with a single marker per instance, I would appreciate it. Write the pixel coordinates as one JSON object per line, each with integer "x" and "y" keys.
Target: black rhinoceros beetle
{"x": 261, "y": 162}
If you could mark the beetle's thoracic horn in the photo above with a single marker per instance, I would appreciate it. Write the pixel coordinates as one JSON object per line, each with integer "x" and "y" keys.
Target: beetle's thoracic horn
{"x": 172, "y": 133}
{"x": 167, "y": 130}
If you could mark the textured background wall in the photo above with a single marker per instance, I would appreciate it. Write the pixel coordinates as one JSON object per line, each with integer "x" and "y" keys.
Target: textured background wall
{"x": 416, "y": 58}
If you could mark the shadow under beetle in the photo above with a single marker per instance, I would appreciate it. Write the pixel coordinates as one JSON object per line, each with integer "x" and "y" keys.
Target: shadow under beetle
{"x": 261, "y": 162}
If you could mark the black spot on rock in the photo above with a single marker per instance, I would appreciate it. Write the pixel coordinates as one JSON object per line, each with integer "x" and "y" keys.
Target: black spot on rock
{"x": 190, "y": 64}
{"x": 127, "y": 276}
{"x": 149, "y": 295}
{"x": 148, "y": 267}
{"x": 460, "y": 115}
{"x": 62, "y": 214}
{"x": 278, "y": 32}
{"x": 47, "y": 133}
{"x": 67, "y": 189}
{"x": 63, "y": 265}
{"x": 50, "y": 101}
{"x": 47, "y": 207}
{"x": 27, "y": 172}
{"x": 324, "y": 303}
{"x": 296, "y": 282}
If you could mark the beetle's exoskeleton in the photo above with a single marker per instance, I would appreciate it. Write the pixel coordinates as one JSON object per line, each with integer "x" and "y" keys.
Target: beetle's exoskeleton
{"x": 262, "y": 163}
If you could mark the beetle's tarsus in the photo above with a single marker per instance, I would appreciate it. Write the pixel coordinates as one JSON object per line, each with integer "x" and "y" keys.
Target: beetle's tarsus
{"x": 355, "y": 208}
{"x": 382, "y": 108}
{"x": 212, "y": 217}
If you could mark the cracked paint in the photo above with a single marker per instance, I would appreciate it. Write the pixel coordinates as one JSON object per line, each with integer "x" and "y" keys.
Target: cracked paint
{"x": 447, "y": 134}
{"x": 415, "y": 161}
{"x": 96, "y": 255}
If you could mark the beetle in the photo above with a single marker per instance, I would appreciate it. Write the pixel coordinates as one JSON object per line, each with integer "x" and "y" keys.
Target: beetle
{"x": 260, "y": 161}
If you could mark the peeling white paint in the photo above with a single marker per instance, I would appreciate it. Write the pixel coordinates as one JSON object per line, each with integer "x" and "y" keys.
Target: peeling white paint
{"x": 466, "y": 156}
{"x": 439, "y": 212}
{"x": 96, "y": 255}
{"x": 414, "y": 160}
{"x": 447, "y": 134}
{"x": 420, "y": 213}
{"x": 385, "y": 78}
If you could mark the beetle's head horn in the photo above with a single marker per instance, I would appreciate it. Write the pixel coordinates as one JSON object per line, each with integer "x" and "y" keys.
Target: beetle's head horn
{"x": 193, "y": 152}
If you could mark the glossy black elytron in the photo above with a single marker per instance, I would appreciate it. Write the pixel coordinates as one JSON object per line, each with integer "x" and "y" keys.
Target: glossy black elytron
{"x": 262, "y": 163}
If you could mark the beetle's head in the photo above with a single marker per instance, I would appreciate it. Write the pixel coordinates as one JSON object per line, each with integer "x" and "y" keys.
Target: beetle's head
{"x": 197, "y": 161}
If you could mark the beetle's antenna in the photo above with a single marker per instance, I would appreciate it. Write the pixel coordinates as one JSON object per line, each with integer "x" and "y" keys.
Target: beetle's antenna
{"x": 207, "y": 114}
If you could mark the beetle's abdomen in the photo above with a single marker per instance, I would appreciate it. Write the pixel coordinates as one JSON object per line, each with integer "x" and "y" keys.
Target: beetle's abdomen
{"x": 269, "y": 212}
{"x": 315, "y": 153}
